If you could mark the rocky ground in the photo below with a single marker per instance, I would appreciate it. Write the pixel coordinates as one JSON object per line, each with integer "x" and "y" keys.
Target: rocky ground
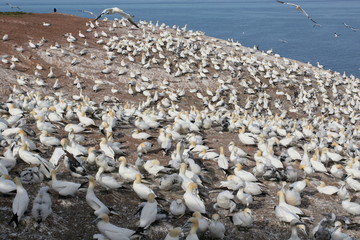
{"x": 251, "y": 72}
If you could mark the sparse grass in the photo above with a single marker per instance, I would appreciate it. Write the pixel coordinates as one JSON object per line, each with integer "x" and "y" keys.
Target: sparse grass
{"x": 13, "y": 13}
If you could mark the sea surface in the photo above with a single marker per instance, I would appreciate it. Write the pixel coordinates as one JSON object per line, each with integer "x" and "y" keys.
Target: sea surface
{"x": 264, "y": 23}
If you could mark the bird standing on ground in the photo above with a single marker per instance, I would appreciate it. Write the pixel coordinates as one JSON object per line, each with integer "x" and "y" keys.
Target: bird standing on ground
{"x": 20, "y": 203}
{"x": 111, "y": 231}
{"x": 148, "y": 212}
{"x": 121, "y": 12}
{"x": 42, "y": 205}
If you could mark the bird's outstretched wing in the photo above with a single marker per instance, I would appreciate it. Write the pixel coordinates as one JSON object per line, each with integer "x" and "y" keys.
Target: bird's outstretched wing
{"x": 89, "y": 12}
{"x": 129, "y": 18}
{"x": 307, "y": 15}
{"x": 298, "y": 7}
{"x": 287, "y": 3}
{"x": 12, "y": 6}
{"x": 106, "y": 11}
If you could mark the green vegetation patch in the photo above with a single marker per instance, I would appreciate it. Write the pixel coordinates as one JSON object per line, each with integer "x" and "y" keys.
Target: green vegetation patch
{"x": 13, "y": 13}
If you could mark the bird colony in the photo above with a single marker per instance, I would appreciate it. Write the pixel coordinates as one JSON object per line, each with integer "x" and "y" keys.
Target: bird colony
{"x": 158, "y": 132}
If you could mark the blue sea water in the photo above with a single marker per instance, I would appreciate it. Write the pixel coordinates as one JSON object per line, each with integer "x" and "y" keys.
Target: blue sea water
{"x": 265, "y": 23}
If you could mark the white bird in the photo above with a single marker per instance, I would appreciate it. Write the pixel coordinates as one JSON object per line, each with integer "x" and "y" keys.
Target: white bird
{"x": 173, "y": 234}
{"x": 192, "y": 199}
{"x": 141, "y": 189}
{"x": 108, "y": 151}
{"x": 64, "y": 188}
{"x": 88, "y": 12}
{"x": 243, "y": 197}
{"x": 177, "y": 207}
{"x": 13, "y": 6}
{"x": 351, "y": 207}
{"x": 148, "y": 212}
{"x": 217, "y": 228}
{"x": 121, "y": 12}
{"x": 194, "y": 228}
{"x": 127, "y": 172}
{"x": 295, "y": 225}
{"x": 111, "y": 231}
{"x": 153, "y": 167}
{"x": 32, "y": 158}
{"x": 107, "y": 181}
{"x": 48, "y": 141}
{"x": 6, "y": 185}
{"x": 299, "y": 8}
{"x": 94, "y": 202}
{"x": 225, "y": 200}
{"x": 42, "y": 205}
{"x": 20, "y": 203}
{"x": 243, "y": 218}
{"x": 328, "y": 190}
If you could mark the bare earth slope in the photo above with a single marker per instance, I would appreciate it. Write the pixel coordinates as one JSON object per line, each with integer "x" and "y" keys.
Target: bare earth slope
{"x": 180, "y": 78}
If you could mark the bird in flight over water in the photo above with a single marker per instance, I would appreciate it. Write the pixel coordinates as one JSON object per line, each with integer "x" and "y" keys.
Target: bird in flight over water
{"x": 352, "y": 28}
{"x": 299, "y": 8}
{"x": 12, "y": 6}
{"x": 121, "y": 12}
{"x": 88, "y": 12}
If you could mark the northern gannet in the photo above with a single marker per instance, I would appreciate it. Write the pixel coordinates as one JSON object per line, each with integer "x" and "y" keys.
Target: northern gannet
{"x": 328, "y": 190}
{"x": 107, "y": 181}
{"x": 94, "y": 202}
{"x": 127, "y": 172}
{"x": 121, "y": 12}
{"x": 177, "y": 207}
{"x": 148, "y": 212}
{"x": 13, "y": 6}
{"x": 42, "y": 205}
{"x": 337, "y": 233}
{"x": 141, "y": 189}
{"x": 6, "y": 185}
{"x": 20, "y": 203}
{"x": 299, "y": 8}
{"x": 295, "y": 225}
{"x": 217, "y": 228}
{"x": 192, "y": 199}
{"x": 352, "y": 28}
{"x": 173, "y": 234}
{"x": 111, "y": 231}
{"x": 351, "y": 207}
{"x": 88, "y": 12}
{"x": 225, "y": 200}
{"x": 194, "y": 228}
{"x": 243, "y": 218}
{"x": 64, "y": 188}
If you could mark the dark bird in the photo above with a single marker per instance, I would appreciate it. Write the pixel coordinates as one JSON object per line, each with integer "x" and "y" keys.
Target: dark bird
{"x": 121, "y": 12}
{"x": 299, "y": 8}
{"x": 12, "y": 6}
{"x": 55, "y": 10}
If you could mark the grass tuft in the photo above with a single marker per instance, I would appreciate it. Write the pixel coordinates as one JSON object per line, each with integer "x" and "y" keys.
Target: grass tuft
{"x": 13, "y": 13}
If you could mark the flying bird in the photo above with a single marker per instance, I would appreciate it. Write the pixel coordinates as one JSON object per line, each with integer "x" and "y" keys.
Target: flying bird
{"x": 121, "y": 12}
{"x": 299, "y": 8}
{"x": 352, "y": 28}
{"x": 12, "y": 6}
{"x": 88, "y": 12}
